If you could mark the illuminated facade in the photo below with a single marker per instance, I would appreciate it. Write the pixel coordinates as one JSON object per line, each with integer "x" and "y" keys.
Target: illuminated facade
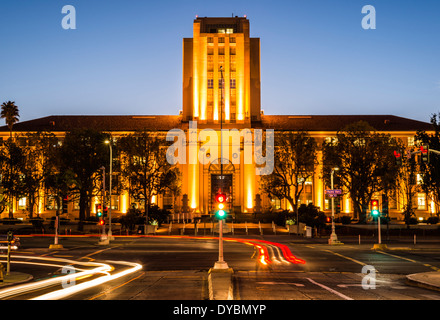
{"x": 221, "y": 89}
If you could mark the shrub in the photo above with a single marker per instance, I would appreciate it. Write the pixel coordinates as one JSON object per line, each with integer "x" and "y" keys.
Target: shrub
{"x": 432, "y": 220}
{"x": 345, "y": 219}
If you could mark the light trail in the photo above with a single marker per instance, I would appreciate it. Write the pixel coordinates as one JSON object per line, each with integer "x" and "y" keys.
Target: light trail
{"x": 59, "y": 294}
{"x": 101, "y": 269}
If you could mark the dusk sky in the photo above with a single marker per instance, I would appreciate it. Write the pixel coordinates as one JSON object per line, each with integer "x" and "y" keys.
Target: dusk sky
{"x": 125, "y": 57}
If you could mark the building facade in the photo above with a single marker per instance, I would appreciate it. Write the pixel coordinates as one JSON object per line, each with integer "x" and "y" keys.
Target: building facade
{"x": 221, "y": 89}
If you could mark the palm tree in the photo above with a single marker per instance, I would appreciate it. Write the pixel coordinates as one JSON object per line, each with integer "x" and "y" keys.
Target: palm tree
{"x": 9, "y": 112}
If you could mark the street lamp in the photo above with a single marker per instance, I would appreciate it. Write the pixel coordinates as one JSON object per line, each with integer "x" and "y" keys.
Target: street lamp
{"x": 333, "y": 237}
{"x": 110, "y": 236}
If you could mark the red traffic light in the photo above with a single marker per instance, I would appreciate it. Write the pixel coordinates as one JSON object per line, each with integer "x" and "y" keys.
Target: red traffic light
{"x": 397, "y": 154}
{"x": 424, "y": 149}
{"x": 101, "y": 222}
{"x": 220, "y": 197}
{"x": 374, "y": 203}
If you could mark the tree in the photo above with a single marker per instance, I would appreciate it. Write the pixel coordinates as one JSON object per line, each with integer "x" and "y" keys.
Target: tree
{"x": 430, "y": 172}
{"x": 294, "y": 163}
{"x": 84, "y": 153}
{"x": 144, "y": 167}
{"x": 366, "y": 164}
{"x": 9, "y": 112}
{"x": 12, "y": 162}
{"x": 407, "y": 182}
{"x": 37, "y": 148}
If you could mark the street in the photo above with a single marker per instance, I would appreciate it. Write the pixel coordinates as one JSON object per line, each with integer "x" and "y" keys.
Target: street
{"x": 176, "y": 268}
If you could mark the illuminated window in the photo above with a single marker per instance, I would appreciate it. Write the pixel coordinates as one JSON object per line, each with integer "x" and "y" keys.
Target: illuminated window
{"x": 229, "y": 30}
{"x": 421, "y": 201}
{"x": 22, "y": 203}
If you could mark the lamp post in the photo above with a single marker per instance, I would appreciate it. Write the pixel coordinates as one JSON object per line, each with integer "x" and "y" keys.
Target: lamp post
{"x": 333, "y": 237}
{"x": 110, "y": 235}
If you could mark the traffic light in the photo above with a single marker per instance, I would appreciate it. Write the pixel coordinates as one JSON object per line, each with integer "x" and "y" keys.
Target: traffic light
{"x": 99, "y": 211}
{"x": 65, "y": 203}
{"x": 101, "y": 222}
{"x": 337, "y": 205}
{"x": 425, "y": 153}
{"x": 385, "y": 205}
{"x": 220, "y": 212}
{"x": 398, "y": 155}
{"x": 105, "y": 211}
{"x": 375, "y": 208}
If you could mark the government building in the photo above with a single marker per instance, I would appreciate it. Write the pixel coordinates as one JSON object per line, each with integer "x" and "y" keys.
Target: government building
{"x": 221, "y": 89}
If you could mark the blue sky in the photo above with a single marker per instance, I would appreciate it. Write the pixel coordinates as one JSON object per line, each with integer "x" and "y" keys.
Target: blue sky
{"x": 125, "y": 57}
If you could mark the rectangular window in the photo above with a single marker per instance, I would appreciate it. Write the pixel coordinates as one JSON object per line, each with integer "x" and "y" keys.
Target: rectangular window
{"x": 22, "y": 203}
{"x": 232, "y": 40}
{"x": 221, "y": 40}
{"x": 210, "y": 83}
{"x": 421, "y": 201}
{"x": 232, "y": 83}
{"x": 229, "y": 30}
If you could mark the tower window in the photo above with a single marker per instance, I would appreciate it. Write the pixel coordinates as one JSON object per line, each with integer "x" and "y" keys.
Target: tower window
{"x": 210, "y": 83}
{"x": 232, "y": 83}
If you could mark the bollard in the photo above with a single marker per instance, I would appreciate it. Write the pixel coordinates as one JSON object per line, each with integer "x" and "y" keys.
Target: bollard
{"x": 245, "y": 224}
{"x": 259, "y": 226}
{"x": 359, "y": 239}
{"x": 415, "y": 239}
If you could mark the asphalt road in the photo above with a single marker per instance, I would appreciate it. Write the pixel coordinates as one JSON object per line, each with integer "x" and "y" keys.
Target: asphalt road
{"x": 177, "y": 269}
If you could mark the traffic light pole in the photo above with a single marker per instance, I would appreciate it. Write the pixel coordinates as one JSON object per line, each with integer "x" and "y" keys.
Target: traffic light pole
{"x": 221, "y": 264}
{"x": 104, "y": 238}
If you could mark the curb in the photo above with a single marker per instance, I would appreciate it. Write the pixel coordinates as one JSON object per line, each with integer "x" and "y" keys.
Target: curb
{"x": 220, "y": 284}
{"x": 15, "y": 278}
{"x": 421, "y": 280}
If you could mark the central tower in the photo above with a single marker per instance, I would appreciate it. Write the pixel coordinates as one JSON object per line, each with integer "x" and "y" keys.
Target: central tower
{"x": 221, "y": 56}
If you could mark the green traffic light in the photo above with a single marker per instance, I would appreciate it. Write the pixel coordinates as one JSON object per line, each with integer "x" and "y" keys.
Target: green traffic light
{"x": 220, "y": 214}
{"x": 375, "y": 212}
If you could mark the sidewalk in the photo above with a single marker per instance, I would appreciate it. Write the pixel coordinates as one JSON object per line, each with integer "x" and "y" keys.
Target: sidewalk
{"x": 428, "y": 280}
{"x": 15, "y": 278}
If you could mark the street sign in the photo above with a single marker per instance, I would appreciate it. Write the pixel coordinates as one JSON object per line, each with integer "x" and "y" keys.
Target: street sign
{"x": 333, "y": 193}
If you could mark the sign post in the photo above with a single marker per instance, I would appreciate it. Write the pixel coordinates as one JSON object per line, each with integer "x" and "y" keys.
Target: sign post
{"x": 333, "y": 193}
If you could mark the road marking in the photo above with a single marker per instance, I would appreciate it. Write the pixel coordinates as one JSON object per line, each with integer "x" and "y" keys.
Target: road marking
{"x": 345, "y": 257}
{"x": 398, "y": 257}
{"x": 343, "y": 296}
{"x": 110, "y": 290}
{"x": 277, "y": 283}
